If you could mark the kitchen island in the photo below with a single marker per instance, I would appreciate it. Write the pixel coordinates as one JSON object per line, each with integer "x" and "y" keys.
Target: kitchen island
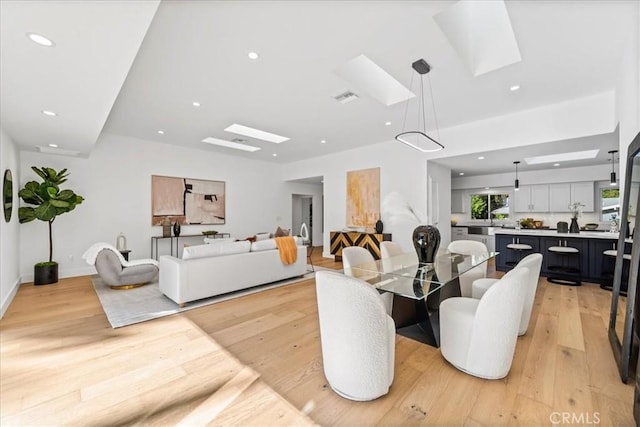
{"x": 594, "y": 265}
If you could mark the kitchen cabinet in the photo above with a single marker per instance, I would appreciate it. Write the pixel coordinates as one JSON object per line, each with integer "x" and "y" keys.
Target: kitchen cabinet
{"x": 461, "y": 233}
{"x": 565, "y": 194}
{"x": 459, "y": 201}
{"x": 458, "y": 233}
{"x": 507, "y": 258}
{"x": 532, "y": 198}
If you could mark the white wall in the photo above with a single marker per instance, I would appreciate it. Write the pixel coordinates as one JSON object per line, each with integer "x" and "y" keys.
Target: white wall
{"x": 316, "y": 193}
{"x": 402, "y": 170}
{"x": 9, "y": 232}
{"x": 628, "y": 93}
{"x": 439, "y": 200}
{"x": 116, "y": 184}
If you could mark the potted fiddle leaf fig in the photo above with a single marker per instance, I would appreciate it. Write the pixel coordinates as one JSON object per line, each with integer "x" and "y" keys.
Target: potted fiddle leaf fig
{"x": 49, "y": 202}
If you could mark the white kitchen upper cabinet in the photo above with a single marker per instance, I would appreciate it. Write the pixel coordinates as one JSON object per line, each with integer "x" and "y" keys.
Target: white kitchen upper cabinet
{"x": 459, "y": 201}
{"x": 563, "y": 195}
{"x": 559, "y": 197}
{"x": 583, "y": 192}
{"x": 532, "y": 198}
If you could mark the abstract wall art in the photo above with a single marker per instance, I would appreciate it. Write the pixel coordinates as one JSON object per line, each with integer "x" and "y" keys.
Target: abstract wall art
{"x": 363, "y": 197}
{"x": 187, "y": 201}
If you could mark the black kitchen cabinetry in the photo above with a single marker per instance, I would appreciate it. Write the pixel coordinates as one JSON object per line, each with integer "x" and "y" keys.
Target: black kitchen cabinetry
{"x": 508, "y": 258}
{"x": 551, "y": 259}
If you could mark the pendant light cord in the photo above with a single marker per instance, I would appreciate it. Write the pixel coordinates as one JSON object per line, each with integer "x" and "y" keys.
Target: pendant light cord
{"x": 433, "y": 105}
{"x": 406, "y": 108}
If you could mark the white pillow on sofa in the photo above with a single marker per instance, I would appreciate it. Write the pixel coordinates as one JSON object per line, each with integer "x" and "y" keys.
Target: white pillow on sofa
{"x": 204, "y": 251}
{"x": 262, "y": 236}
{"x": 270, "y": 244}
{"x": 210, "y": 241}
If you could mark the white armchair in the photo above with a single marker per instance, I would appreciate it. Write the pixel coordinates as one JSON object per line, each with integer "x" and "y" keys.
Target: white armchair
{"x": 479, "y": 336}
{"x": 533, "y": 262}
{"x": 357, "y": 337}
{"x": 470, "y": 247}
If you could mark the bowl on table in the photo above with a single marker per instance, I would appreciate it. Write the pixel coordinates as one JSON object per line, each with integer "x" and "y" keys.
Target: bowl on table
{"x": 210, "y": 233}
{"x": 590, "y": 226}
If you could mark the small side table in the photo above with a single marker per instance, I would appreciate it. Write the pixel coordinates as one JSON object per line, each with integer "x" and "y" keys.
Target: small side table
{"x": 125, "y": 254}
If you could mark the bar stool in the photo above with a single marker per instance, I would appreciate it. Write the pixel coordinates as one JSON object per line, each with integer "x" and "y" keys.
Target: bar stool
{"x": 519, "y": 248}
{"x": 613, "y": 253}
{"x": 564, "y": 273}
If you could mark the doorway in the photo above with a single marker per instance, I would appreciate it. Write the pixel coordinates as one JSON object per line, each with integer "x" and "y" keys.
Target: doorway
{"x": 302, "y": 212}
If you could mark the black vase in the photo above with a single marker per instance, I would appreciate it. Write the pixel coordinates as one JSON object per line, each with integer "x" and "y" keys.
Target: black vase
{"x": 574, "y": 227}
{"x": 426, "y": 240}
{"x": 176, "y": 229}
{"x": 379, "y": 226}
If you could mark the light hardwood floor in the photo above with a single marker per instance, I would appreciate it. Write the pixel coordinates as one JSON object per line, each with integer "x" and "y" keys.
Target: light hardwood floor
{"x": 61, "y": 363}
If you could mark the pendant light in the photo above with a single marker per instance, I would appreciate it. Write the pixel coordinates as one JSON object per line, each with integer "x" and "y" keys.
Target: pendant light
{"x": 614, "y": 181}
{"x": 419, "y": 139}
{"x": 516, "y": 186}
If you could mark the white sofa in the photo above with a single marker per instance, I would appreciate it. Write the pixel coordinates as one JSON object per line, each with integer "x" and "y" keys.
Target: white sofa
{"x": 209, "y": 270}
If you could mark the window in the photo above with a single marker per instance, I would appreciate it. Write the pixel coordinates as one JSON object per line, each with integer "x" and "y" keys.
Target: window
{"x": 610, "y": 203}
{"x": 482, "y": 204}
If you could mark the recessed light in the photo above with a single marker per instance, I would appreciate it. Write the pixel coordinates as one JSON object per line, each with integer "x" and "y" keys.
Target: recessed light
{"x": 387, "y": 123}
{"x": 275, "y": 155}
{"x": 161, "y": 132}
{"x": 196, "y": 104}
{"x": 486, "y": 188}
{"x": 562, "y": 157}
{"x": 53, "y": 145}
{"x": 514, "y": 88}
{"x": 556, "y": 164}
{"x": 461, "y": 173}
{"x": 253, "y": 55}
{"x": 41, "y": 40}
{"x": 230, "y": 144}
{"x": 323, "y": 141}
{"x": 256, "y": 133}
{"x": 480, "y": 157}
{"x": 49, "y": 113}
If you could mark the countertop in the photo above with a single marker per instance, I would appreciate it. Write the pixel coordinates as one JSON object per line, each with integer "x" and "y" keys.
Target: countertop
{"x": 553, "y": 233}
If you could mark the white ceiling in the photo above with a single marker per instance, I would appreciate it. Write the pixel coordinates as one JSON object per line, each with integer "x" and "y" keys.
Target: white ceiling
{"x": 197, "y": 51}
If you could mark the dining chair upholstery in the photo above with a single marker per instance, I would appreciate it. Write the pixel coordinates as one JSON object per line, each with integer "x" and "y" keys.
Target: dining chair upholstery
{"x": 478, "y": 336}
{"x": 470, "y": 247}
{"x": 357, "y": 337}
{"x": 355, "y": 255}
{"x": 534, "y": 263}
{"x": 387, "y": 251}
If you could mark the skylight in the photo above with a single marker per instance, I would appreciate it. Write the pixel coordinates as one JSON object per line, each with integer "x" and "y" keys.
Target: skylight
{"x": 562, "y": 157}
{"x": 230, "y": 144}
{"x": 256, "y": 133}
{"x": 369, "y": 77}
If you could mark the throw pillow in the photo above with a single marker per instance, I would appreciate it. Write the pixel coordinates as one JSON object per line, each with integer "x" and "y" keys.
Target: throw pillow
{"x": 251, "y": 239}
{"x": 280, "y": 232}
{"x": 262, "y": 236}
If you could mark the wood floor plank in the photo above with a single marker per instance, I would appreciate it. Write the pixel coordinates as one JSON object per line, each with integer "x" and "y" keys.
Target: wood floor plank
{"x": 569, "y": 326}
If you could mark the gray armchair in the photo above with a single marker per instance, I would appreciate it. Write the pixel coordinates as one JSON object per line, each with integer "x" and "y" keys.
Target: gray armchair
{"x": 111, "y": 270}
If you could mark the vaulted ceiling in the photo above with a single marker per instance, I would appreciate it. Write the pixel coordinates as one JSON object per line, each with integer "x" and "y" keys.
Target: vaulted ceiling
{"x": 135, "y": 68}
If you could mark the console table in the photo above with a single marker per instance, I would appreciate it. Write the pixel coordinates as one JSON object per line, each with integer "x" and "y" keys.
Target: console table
{"x": 154, "y": 241}
{"x": 369, "y": 241}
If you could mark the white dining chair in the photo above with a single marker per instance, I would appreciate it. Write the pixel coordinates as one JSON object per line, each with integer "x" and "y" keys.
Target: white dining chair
{"x": 357, "y": 337}
{"x": 533, "y": 262}
{"x": 357, "y": 256}
{"x": 479, "y": 336}
{"x": 470, "y": 247}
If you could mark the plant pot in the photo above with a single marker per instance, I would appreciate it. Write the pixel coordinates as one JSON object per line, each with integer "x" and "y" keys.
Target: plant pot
{"x": 45, "y": 274}
{"x": 574, "y": 227}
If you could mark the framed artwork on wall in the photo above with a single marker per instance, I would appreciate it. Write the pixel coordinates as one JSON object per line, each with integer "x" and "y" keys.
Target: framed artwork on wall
{"x": 363, "y": 197}
{"x": 187, "y": 200}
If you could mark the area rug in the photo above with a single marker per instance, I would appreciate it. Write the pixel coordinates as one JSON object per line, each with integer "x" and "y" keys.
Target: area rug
{"x": 126, "y": 307}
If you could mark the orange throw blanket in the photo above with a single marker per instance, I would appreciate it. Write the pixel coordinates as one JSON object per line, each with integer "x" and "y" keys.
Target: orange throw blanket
{"x": 288, "y": 249}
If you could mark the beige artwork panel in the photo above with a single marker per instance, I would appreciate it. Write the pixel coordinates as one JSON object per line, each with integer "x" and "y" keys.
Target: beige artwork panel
{"x": 363, "y": 197}
{"x": 187, "y": 200}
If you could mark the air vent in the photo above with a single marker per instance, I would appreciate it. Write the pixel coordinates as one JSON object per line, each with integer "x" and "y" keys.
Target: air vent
{"x": 239, "y": 140}
{"x": 345, "y": 97}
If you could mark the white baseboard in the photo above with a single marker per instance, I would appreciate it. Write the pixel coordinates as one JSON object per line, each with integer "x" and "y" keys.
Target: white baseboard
{"x": 9, "y": 299}
{"x": 64, "y": 273}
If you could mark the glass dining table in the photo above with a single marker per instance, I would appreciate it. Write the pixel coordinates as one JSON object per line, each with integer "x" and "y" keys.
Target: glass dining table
{"x": 418, "y": 288}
